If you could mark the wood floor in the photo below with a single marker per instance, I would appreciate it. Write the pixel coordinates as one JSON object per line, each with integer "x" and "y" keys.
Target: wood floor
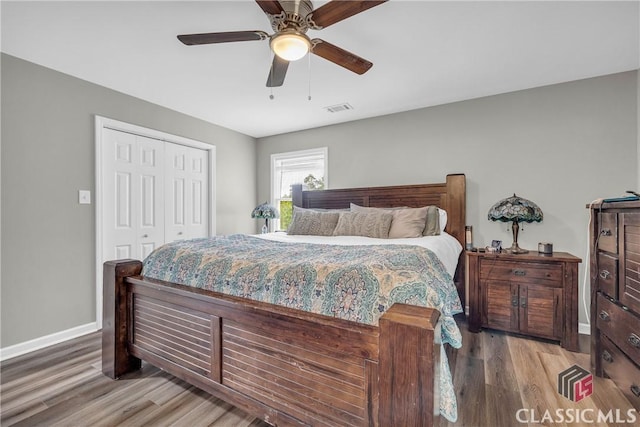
{"x": 495, "y": 375}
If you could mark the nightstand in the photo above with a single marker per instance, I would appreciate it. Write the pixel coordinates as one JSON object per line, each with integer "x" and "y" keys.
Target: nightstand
{"x": 531, "y": 294}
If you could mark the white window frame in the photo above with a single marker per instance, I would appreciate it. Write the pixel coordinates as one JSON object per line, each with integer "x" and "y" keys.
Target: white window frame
{"x": 301, "y": 154}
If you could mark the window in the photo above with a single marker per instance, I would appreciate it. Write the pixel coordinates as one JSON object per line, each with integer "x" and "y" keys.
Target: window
{"x": 297, "y": 167}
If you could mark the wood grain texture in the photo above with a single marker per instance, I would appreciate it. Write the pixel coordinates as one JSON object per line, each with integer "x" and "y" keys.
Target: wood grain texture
{"x": 63, "y": 385}
{"x": 615, "y": 294}
{"x": 532, "y": 294}
{"x": 286, "y": 366}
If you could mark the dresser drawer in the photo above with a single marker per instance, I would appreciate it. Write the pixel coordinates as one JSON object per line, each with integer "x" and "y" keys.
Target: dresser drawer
{"x": 620, "y": 326}
{"x": 621, "y": 370}
{"x": 526, "y": 272}
{"x": 608, "y": 238}
{"x": 608, "y": 275}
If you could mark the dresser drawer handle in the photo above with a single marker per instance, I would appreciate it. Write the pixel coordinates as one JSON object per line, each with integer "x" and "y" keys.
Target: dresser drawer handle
{"x": 523, "y": 302}
{"x": 520, "y": 272}
{"x": 514, "y": 301}
{"x": 605, "y": 232}
{"x": 635, "y": 390}
{"x": 604, "y": 274}
{"x": 604, "y": 316}
{"x": 634, "y": 340}
{"x": 607, "y": 357}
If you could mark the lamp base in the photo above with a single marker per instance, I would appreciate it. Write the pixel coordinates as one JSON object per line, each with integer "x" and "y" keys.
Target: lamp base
{"x": 516, "y": 250}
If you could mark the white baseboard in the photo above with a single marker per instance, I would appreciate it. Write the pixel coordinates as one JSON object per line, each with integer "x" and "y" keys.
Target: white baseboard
{"x": 584, "y": 328}
{"x": 46, "y": 341}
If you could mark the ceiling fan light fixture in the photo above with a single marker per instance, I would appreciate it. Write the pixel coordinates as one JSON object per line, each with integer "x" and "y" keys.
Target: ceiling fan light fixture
{"x": 290, "y": 46}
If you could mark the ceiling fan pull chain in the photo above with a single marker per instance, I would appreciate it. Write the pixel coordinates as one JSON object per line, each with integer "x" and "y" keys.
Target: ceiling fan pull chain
{"x": 309, "y": 96}
{"x": 271, "y": 97}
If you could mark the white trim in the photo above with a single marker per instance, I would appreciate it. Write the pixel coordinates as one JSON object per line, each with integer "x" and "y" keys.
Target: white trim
{"x": 46, "y": 341}
{"x": 584, "y": 328}
{"x": 292, "y": 155}
{"x": 106, "y": 123}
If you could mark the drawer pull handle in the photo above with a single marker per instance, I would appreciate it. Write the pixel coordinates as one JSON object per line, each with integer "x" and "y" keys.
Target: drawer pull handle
{"x": 607, "y": 357}
{"x": 634, "y": 340}
{"x": 514, "y": 301}
{"x": 604, "y": 274}
{"x": 605, "y": 232}
{"x": 523, "y": 302}
{"x": 520, "y": 272}
{"x": 635, "y": 390}
{"x": 604, "y": 316}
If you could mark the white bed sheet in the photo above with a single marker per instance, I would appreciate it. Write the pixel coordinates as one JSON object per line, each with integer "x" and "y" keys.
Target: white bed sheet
{"x": 445, "y": 246}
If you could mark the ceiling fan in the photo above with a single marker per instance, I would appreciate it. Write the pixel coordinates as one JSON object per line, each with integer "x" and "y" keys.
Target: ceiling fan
{"x": 291, "y": 19}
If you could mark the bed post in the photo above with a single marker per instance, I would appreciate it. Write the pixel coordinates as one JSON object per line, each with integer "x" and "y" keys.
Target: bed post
{"x": 296, "y": 195}
{"x": 408, "y": 365}
{"x": 116, "y": 360}
{"x": 456, "y": 207}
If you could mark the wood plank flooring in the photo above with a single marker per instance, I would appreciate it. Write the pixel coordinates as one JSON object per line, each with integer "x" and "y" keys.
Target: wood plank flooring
{"x": 495, "y": 375}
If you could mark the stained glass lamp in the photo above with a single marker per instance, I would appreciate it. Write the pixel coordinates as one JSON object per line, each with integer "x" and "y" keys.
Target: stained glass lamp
{"x": 265, "y": 211}
{"x": 517, "y": 210}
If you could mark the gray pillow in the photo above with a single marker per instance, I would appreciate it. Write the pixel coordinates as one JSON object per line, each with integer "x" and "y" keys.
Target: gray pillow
{"x": 366, "y": 224}
{"x": 432, "y": 226}
{"x": 312, "y": 223}
{"x": 407, "y": 222}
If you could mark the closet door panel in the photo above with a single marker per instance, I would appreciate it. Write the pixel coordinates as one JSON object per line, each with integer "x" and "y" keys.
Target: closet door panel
{"x": 187, "y": 192}
{"x": 133, "y": 181}
{"x": 119, "y": 175}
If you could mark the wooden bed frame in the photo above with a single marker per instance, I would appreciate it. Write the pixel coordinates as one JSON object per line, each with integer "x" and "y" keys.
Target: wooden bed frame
{"x": 285, "y": 366}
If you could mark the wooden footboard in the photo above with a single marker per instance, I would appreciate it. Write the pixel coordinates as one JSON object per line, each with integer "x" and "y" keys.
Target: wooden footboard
{"x": 284, "y": 366}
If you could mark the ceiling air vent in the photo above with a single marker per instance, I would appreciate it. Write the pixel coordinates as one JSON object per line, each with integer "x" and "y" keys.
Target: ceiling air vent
{"x": 339, "y": 107}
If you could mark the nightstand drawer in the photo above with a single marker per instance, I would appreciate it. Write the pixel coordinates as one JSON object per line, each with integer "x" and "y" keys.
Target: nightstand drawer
{"x": 608, "y": 275}
{"x": 527, "y": 272}
{"x": 620, "y": 326}
{"x": 621, "y": 370}
{"x": 608, "y": 238}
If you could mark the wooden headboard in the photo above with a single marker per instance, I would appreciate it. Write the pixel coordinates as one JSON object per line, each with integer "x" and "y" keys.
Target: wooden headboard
{"x": 449, "y": 195}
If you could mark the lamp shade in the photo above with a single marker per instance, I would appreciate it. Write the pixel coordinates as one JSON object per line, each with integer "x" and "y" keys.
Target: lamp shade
{"x": 516, "y": 209}
{"x": 265, "y": 211}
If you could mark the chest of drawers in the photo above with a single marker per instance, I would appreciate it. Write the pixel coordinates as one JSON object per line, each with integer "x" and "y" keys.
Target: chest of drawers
{"x": 615, "y": 295}
{"x": 530, "y": 294}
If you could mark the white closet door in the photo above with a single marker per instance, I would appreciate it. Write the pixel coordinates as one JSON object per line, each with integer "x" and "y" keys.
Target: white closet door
{"x": 186, "y": 192}
{"x": 133, "y": 182}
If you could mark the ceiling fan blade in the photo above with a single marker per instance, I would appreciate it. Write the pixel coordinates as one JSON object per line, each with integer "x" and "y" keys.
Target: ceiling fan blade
{"x": 338, "y": 10}
{"x": 271, "y": 7}
{"x": 229, "y": 36}
{"x": 340, "y": 56}
{"x": 278, "y": 72}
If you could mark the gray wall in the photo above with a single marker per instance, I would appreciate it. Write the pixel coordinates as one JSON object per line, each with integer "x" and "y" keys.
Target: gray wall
{"x": 48, "y": 239}
{"x": 560, "y": 146}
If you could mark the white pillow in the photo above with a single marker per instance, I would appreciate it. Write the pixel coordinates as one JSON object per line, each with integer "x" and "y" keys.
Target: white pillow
{"x": 442, "y": 219}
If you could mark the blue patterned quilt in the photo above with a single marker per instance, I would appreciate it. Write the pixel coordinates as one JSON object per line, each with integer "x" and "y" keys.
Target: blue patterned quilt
{"x": 356, "y": 283}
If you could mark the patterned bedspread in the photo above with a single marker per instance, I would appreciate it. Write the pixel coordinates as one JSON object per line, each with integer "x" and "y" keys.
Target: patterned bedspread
{"x": 356, "y": 283}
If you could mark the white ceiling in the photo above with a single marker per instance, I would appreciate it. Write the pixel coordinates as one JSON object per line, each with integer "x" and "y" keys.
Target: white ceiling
{"x": 424, "y": 53}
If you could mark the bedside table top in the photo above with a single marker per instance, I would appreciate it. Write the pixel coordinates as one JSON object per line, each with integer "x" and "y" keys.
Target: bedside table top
{"x": 531, "y": 256}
